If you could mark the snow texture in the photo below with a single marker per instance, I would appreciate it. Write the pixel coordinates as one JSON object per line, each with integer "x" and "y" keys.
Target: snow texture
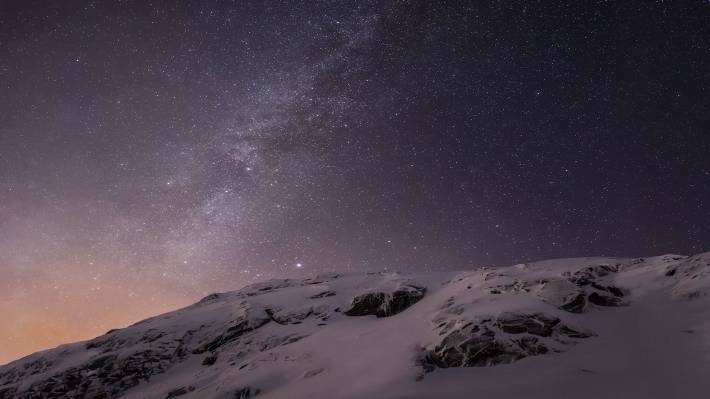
{"x": 566, "y": 328}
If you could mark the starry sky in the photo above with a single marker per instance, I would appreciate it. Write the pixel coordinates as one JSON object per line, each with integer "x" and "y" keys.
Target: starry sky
{"x": 152, "y": 152}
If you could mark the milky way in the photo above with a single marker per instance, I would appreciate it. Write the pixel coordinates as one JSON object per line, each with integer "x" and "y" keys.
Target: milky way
{"x": 154, "y": 152}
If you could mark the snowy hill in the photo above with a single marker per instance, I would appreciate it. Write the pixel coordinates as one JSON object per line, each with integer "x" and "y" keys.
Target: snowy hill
{"x": 568, "y": 328}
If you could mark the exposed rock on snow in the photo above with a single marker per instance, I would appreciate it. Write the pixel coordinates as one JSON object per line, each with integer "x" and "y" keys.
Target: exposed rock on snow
{"x": 604, "y": 300}
{"x": 179, "y": 392}
{"x": 499, "y": 340}
{"x": 588, "y": 285}
{"x": 244, "y": 393}
{"x": 536, "y": 324}
{"x": 248, "y": 321}
{"x": 691, "y": 277}
{"x": 384, "y": 304}
{"x": 575, "y": 304}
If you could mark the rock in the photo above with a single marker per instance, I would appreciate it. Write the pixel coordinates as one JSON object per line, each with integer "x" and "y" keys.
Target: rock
{"x": 401, "y": 299}
{"x": 179, "y": 392}
{"x": 531, "y": 346}
{"x": 473, "y": 347}
{"x": 245, "y": 393}
{"x": 7, "y": 393}
{"x": 562, "y": 294}
{"x": 694, "y": 295}
{"x": 487, "y": 342}
{"x": 366, "y": 304}
{"x": 236, "y": 329}
{"x": 584, "y": 285}
{"x": 576, "y": 305}
{"x": 113, "y": 376}
{"x": 604, "y": 300}
{"x": 312, "y": 373}
{"x": 536, "y": 324}
{"x": 209, "y": 360}
{"x": 323, "y": 294}
{"x": 574, "y": 332}
{"x": 383, "y": 304}
{"x": 209, "y": 298}
{"x": 100, "y": 362}
{"x": 616, "y": 291}
{"x": 514, "y": 287}
{"x": 321, "y": 278}
{"x": 587, "y": 275}
{"x": 294, "y": 316}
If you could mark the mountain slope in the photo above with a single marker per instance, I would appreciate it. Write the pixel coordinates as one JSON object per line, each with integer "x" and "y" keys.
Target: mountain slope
{"x": 586, "y": 327}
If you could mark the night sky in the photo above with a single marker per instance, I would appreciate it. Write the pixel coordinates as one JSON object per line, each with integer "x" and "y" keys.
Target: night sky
{"x": 154, "y": 152}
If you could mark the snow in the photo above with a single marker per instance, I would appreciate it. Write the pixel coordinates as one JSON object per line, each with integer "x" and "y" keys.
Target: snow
{"x": 292, "y": 338}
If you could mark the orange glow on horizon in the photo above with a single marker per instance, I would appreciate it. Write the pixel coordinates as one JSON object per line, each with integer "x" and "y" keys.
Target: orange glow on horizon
{"x": 76, "y": 307}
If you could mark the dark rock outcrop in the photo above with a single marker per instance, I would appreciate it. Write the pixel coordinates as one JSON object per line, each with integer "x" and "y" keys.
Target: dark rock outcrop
{"x": 535, "y": 324}
{"x": 367, "y": 304}
{"x": 505, "y": 339}
{"x": 382, "y": 304}
{"x": 591, "y": 288}
{"x": 245, "y": 393}
{"x": 471, "y": 347}
{"x": 236, "y": 329}
{"x": 576, "y": 305}
{"x": 8, "y": 393}
{"x": 516, "y": 286}
{"x": 574, "y": 333}
{"x": 285, "y": 317}
{"x": 323, "y": 294}
{"x": 605, "y": 300}
{"x": 616, "y": 291}
{"x": 587, "y": 275}
{"x": 111, "y": 377}
{"x": 179, "y": 392}
{"x": 209, "y": 360}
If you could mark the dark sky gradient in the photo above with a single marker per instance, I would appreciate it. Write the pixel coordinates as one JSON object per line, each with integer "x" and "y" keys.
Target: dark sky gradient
{"x": 153, "y": 152}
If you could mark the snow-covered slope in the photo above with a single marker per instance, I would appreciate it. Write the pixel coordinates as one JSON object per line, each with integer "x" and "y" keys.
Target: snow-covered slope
{"x": 568, "y": 328}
